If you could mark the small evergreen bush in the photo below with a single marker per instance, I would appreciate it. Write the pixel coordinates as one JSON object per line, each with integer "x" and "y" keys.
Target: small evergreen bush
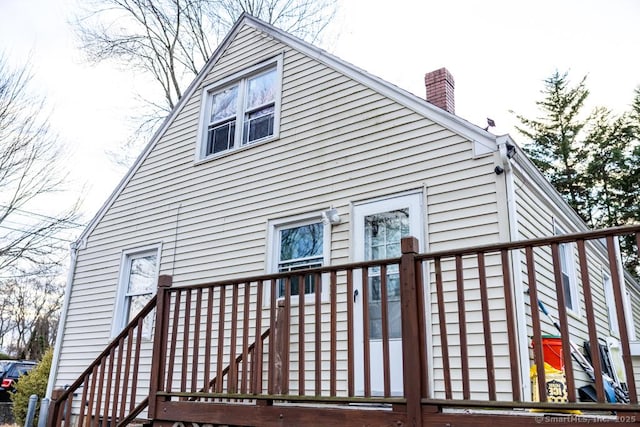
{"x": 35, "y": 382}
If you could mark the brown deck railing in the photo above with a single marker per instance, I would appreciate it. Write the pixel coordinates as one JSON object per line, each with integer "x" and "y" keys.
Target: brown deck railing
{"x": 241, "y": 346}
{"x": 110, "y": 391}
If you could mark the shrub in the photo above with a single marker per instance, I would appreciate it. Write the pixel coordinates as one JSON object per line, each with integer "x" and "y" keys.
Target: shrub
{"x": 35, "y": 382}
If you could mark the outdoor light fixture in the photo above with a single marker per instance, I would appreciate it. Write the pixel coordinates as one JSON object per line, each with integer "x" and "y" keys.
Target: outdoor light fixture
{"x": 331, "y": 216}
{"x": 511, "y": 151}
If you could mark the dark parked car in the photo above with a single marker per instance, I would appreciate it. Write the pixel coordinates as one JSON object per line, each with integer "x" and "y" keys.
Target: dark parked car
{"x": 10, "y": 372}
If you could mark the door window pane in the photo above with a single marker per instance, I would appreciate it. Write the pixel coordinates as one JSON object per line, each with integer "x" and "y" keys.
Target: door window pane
{"x": 383, "y": 233}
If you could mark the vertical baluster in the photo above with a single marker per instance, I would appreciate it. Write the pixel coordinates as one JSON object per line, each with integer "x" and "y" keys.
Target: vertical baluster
{"x": 232, "y": 384}
{"x": 334, "y": 336}
{"x": 220, "y": 346}
{"x": 136, "y": 363}
{"x": 562, "y": 319}
{"x": 256, "y": 367}
{"x": 245, "y": 337}
{"x": 384, "y": 318}
{"x": 350, "y": 344}
{"x": 118, "y": 373}
{"x": 511, "y": 327}
{"x": 422, "y": 327}
{"x": 92, "y": 394}
{"x": 286, "y": 335}
{"x": 100, "y": 386}
{"x": 442, "y": 319}
{"x": 462, "y": 325}
{"x": 486, "y": 325}
{"x": 616, "y": 281}
{"x": 535, "y": 319}
{"x": 174, "y": 340}
{"x": 127, "y": 368}
{"x": 83, "y": 399}
{"x": 591, "y": 321}
{"x": 272, "y": 339}
{"x": 69, "y": 406}
{"x": 186, "y": 332}
{"x": 208, "y": 336}
{"x": 317, "y": 278}
{"x": 301, "y": 336}
{"x": 195, "y": 357}
{"x": 365, "y": 332}
{"x": 107, "y": 394}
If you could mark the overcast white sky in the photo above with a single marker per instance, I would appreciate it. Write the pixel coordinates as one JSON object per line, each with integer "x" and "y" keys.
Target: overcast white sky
{"x": 498, "y": 51}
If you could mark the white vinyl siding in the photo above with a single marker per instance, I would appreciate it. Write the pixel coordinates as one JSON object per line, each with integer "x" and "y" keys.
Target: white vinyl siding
{"x": 340, "y": 142}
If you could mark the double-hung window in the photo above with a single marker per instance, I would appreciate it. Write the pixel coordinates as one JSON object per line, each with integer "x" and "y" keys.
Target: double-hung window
{"x": 295, "y": 246}
{"x": 138, "y": 282}
{"x": 241, "y": 110}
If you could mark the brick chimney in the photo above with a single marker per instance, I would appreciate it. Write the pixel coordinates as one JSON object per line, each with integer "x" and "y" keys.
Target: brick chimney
{"x": 439, "y": 85}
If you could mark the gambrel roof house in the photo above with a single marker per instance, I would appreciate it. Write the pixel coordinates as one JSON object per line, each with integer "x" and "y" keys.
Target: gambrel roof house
{"x": 281, "y": 158}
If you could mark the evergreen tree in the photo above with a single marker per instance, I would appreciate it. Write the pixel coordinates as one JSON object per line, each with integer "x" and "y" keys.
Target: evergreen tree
{"x": 608, "y": 143}
{"x": 593, "y": 160}
{"x": 556, "y": 147}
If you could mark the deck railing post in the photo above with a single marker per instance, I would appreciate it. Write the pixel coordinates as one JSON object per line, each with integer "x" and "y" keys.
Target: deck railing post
{"x": 158, "y": 357}
{"x": 411, "y": 363}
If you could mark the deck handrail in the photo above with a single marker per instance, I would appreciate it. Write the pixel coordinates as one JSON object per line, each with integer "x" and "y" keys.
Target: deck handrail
{"x": 65, "y": 398}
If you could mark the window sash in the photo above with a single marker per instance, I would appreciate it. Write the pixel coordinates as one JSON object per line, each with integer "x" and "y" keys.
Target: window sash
{"x": 242, "y": 112}
{"x": 212, "y": 142}
{"x": 288, "y": 259}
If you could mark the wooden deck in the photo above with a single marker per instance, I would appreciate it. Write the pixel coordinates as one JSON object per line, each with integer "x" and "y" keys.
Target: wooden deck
{"x": 232, "y": 353}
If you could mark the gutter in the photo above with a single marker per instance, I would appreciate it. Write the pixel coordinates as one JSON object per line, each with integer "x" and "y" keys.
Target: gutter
{"x": 74, "y": 247}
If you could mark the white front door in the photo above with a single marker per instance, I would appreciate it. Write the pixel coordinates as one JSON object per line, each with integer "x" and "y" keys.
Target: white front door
{"x": 378, "y": 228}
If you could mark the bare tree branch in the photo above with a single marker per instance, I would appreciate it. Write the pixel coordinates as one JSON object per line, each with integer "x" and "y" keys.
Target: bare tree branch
{"x": 170, "y": 40}
{"x": 30, "y": 171}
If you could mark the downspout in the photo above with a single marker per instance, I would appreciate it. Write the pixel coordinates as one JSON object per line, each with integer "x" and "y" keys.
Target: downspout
{"x": 74, "y": 247}
{"x": 516, "y": 263}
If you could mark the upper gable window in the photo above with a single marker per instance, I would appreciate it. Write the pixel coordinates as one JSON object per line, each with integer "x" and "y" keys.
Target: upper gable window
{"x": 241, "y": 110}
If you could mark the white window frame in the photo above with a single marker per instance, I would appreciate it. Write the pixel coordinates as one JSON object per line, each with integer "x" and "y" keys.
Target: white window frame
{"x": 120, "y": 317}
{"x": 273, "y": 250}
{"x": 568, "y": 268}
{"x": 240, "y": 80}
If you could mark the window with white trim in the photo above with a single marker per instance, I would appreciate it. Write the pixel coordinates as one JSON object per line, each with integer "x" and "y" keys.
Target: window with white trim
{"x": 568, "y": 272}
{"x": 138, "y": 284}
{"x": 297, "y": 245}
{"x": 241, "y": 110}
